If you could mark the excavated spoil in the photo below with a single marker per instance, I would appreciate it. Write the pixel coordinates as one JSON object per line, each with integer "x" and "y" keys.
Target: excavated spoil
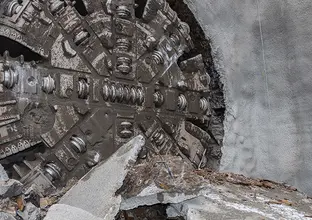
{"x": 190, "y": 194}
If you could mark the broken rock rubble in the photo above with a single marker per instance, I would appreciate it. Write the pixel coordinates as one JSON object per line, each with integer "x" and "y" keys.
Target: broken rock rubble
{"x": 3, "y": 175}
{"x": 95, "y": 192}
{"x": 10, "y": 188}
{"x": 13, "y": 201}
{"x": 166, "y": 185}
{"x": 205, "y": 194}
{"x": 13, "y": 204}
{"x": 180, "y": 189}
{"x": 30, "y": 212}
{"x": 8, "y": 206}
{"x": 6, "y": 216}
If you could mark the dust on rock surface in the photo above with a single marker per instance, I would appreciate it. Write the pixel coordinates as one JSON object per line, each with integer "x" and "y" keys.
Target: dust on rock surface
{"x": 167, "y": 172}
{"x": 171, "y": 172}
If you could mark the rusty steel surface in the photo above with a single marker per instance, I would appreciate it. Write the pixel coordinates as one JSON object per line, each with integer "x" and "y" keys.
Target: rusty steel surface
{"x": 105, "y": 76}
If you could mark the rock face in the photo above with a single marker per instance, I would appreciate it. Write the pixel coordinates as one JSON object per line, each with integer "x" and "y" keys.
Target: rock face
{"x": 95, "y": 193}
{"x": 10, "y": 188}
{"x": 262, "y": 49}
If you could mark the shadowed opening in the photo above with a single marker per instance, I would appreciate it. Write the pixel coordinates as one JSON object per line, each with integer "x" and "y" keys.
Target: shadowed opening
{"x": 140, "y": 8}
{"x": 81, "y": 8}
{"x": 16, "y": 49}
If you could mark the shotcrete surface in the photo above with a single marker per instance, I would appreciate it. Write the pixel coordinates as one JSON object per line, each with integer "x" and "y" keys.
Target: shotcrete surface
{"x": 262, "y": 49}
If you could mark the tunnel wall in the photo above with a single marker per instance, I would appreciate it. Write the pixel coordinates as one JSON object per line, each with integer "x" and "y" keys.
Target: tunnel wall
{"x": 263, "y": 50}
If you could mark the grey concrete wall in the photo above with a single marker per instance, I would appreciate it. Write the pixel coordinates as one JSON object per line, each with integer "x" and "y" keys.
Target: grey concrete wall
{"x": 263, "y": 49}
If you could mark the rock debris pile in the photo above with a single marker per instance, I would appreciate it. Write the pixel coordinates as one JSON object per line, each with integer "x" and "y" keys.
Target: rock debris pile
{"x": 125, "y": 187}
{"x": 15, "y": 203}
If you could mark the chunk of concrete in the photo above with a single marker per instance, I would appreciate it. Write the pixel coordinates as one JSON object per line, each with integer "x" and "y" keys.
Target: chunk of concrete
{"x": 95, "y": 192}
{"x": 153, "y": 195}
{"x": 66, "y": 212}
{"x": 3, "y": 175}
{"x": 31, "y": 212}
{"x": 161, "y": 180}
{"x": 10, "y": 188}
{"x": 6, "y": 216}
